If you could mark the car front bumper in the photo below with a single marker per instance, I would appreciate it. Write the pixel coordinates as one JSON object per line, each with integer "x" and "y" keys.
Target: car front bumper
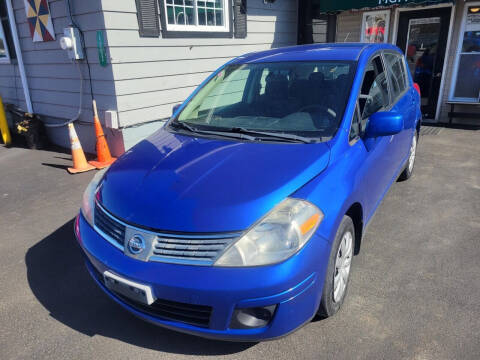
{"x": 294, "y": 285}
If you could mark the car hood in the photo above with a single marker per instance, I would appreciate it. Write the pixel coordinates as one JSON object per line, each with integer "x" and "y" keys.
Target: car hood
{"x": 174, "y": 182}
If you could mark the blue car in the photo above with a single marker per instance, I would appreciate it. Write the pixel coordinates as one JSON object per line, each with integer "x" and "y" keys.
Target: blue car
{"x": 239, "y": 219}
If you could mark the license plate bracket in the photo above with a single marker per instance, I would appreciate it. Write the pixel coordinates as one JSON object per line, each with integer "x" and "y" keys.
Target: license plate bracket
{"x": 131, "y": 289}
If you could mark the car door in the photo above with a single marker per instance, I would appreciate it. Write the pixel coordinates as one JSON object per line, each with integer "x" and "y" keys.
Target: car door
{"x": 403, "y": 102}
{"x": 376, "y": 170}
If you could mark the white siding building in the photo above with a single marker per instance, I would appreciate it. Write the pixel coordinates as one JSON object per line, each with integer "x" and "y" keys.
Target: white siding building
{"x": 157, "y": 52}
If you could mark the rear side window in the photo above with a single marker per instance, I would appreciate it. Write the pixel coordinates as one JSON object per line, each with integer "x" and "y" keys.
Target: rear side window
{"x": 396, "y": 73}
{"x": 374, "y": 91}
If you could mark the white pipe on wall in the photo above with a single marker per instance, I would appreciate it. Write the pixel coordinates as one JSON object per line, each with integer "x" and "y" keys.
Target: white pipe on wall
{"x": 18, "y": 50}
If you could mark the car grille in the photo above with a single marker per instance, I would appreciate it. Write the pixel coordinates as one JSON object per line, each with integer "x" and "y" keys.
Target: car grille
{"x": 180, "y": 248}
{"x": 109, "y": 227}
{"x": 197, "y": 315}
{"x": 204, "y": 249}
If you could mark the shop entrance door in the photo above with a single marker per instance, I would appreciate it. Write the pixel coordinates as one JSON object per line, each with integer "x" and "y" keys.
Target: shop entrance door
{"x": 422, "y": 35}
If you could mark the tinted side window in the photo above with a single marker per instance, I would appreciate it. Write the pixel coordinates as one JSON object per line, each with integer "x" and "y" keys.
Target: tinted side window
{"x": 396, "y": 74}
{"x": 374, "y": 92}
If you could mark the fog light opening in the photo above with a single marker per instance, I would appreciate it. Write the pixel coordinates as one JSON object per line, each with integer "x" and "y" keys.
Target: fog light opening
{"x": 251, "y": 318}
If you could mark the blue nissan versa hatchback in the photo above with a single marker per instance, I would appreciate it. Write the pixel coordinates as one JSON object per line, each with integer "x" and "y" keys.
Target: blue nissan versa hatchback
{"x": 239, "y": 219}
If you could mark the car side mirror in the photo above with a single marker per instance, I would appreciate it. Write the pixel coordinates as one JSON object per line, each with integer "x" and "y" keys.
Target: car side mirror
{"x": 175, "y": 108}
{"x": 384, "y": 123}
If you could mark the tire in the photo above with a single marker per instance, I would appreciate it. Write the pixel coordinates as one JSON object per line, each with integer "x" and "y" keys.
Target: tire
{"x": 332, "y": 295}
{"x": 408, "y": 171}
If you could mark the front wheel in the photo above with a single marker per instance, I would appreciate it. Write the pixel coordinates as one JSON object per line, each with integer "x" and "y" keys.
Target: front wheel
{"x": 338, "y": 272}
{"x": 408, "y": 171}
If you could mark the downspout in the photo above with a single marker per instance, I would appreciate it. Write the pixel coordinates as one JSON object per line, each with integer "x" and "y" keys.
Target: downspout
{"x": 18, "y": 50}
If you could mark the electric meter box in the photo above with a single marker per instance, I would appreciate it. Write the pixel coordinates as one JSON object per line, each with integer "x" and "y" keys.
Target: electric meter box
{"x": 71, "y": 42}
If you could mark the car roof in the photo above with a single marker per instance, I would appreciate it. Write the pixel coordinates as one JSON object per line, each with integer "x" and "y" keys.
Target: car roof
{"x": 314, "y": 52}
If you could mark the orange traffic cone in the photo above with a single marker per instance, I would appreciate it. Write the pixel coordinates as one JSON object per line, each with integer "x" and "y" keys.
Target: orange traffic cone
{"x": 103, "y": 152}
{"x": 79, "y": 161}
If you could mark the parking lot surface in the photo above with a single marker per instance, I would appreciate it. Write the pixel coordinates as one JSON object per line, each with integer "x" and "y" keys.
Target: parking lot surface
{"x": 414, "y": 291}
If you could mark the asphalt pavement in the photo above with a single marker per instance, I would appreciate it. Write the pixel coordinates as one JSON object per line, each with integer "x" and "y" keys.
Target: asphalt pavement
{"x": 414, "y": 291}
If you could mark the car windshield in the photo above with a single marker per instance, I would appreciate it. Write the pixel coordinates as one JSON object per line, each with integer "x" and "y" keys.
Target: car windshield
{"x": 289, "y": 100}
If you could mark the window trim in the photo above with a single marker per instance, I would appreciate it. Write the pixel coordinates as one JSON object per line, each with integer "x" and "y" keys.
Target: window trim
{"x": 456, "y": 63}
{"x": 198, "y": 31}
{"x": 7, "y": 59}
{"x": 387, "y": 24}
{"x": 353, "y": 141}
{"x": 390, "y": 95}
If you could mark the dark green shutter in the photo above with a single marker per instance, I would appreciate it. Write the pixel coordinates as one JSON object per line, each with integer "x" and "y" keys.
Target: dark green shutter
{"x": 147, "y": 14}
{"x": 240, "y": 18}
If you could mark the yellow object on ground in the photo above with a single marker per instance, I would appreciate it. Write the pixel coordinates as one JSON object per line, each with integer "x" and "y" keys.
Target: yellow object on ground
{"x": 7, "y": 139}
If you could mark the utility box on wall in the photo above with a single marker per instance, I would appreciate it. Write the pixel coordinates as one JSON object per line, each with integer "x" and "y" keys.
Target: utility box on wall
{"x": 111, "y": 119}
{"x": 72, "y": 43}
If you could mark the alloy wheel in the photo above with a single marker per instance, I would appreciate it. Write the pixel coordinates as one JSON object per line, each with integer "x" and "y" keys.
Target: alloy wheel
{"x": 343, "y": 262}
{"x": 413, "y": 149}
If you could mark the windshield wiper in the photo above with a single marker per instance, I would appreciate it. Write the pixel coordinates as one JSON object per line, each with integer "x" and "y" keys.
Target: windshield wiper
{"x": 242, "y": 133}
{"x": 283, "y": 136}
{"x": 183, "y": 125}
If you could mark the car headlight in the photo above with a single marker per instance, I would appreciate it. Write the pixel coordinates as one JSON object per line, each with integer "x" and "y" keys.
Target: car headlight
{"x": 276, "y": 237}
{"x": 88, "y": 199}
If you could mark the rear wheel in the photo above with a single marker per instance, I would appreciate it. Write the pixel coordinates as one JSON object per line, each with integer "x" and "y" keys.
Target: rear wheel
{"x": 408, "y": 171}
{"x": 338, "y": 272}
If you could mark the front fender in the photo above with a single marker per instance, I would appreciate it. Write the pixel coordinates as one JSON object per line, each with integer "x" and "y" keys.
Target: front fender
{"x": 335, "y": 190}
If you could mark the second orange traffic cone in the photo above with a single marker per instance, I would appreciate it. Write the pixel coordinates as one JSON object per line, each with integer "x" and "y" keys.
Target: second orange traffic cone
{"x": 104, "y": 158}
{"x": 79, "y": 161}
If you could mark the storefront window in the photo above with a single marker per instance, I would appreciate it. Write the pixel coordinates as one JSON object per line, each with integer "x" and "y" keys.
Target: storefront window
{"x": 422, "y": 48}
{"x": 467, "y": 82}
{"x": 375, "y": 26}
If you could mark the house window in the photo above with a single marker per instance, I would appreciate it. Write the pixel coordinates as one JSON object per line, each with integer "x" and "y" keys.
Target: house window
{"x": 7, "y": 51}
{"x": 467, "y": 67}
{"x": 375, "y": 26}
{"x": 195, "y": 16}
